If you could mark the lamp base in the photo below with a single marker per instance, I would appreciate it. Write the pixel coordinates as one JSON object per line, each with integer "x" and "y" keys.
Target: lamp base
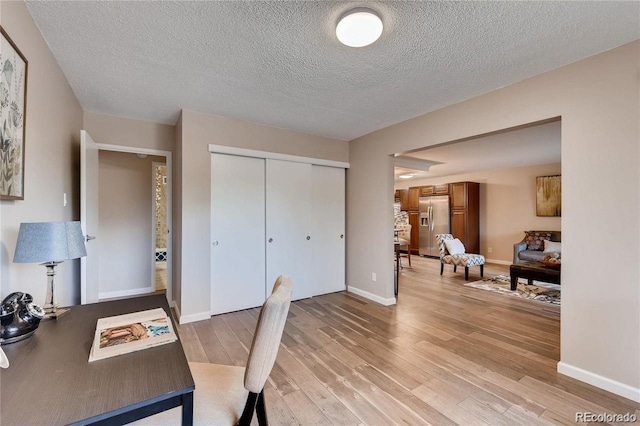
{"x": 50, "y": 315}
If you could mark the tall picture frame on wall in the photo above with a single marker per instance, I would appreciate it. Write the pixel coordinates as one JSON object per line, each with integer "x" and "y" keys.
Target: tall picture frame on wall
{"x": 549, "y": 196}
{"x": 13, "y": 97}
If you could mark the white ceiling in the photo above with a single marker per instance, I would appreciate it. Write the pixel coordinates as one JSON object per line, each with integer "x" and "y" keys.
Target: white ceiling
{"x": 517, "y": 148}
{"x": 279, "y": 63}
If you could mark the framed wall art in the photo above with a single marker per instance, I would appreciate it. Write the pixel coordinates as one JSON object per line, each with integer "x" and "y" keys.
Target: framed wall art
{"x": 548, "y": 196}
{"x": 13, "y": 97}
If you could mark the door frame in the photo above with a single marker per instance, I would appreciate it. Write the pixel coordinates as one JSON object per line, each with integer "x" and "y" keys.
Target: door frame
{"x": 168, "y": 162}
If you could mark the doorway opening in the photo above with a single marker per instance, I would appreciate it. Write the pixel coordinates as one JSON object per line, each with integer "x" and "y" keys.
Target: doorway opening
{"x": 118, "y": 213}
{"x": 160, "y": 234}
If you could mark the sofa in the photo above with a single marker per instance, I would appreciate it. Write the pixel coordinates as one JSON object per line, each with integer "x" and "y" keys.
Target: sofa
{"x": 531, "y": 248}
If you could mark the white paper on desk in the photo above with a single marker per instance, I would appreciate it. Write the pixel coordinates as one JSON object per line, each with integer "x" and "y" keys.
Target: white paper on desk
{"x": 4, "y": 361}
{"x": 131, "y": 332}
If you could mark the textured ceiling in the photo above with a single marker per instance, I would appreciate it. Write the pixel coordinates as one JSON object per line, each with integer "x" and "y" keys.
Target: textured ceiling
{"x": 280, "y": 64}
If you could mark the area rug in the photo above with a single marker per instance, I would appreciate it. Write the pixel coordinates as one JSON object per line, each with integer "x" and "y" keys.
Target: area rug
{"x": 543, "y": 292}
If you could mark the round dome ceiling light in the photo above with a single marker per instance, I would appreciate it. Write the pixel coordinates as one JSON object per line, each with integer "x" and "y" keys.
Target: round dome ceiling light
{"x": 359, "y": 27}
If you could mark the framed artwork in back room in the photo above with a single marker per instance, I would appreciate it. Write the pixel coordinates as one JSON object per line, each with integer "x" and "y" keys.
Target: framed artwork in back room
{"x": 549, "y": 196}
{"x": 13, "y": 98}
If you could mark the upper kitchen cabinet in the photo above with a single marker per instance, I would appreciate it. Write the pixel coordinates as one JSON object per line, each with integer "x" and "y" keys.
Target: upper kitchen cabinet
{"x": 402, "y": 197}
{"x": 413, "y": 199}
{"x": 428, "y": 190}
{"x": 441, "y": 189}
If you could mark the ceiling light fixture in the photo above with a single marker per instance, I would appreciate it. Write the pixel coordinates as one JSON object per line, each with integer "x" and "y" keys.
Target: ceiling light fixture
{"x": 407, "y": 176}
{"x": 359, "y": 27}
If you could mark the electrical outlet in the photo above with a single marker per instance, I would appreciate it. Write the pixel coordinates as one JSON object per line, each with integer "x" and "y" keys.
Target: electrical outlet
{"x": 490, "y": 250}
{"x": 373, "y": 276}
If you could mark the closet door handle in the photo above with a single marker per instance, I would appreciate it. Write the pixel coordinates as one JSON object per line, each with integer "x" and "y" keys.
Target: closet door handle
{"x": 270, "y": 240}
{"x": 308, "y": 238}
{"x": 89, "y": 238}
{"x": 215, "y": 243}
{"x": 341, "y": 235}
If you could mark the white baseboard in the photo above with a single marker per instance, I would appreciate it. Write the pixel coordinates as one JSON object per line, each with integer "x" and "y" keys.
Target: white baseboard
{"x": 124, "y": 293}
{"x": 371, "y": 296}
{"x": 185, "y": 319}
{"x": 498, "y": 262}
{"x": 601, "y": 382}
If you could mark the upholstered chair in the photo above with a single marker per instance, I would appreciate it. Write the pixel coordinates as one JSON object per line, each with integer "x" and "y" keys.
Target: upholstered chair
{"x": 404, "y": 237}
{"x": 229, "y": 395}
{"x": 458, "y": 259}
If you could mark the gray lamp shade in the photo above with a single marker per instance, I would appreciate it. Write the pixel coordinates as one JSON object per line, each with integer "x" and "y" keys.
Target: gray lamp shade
{"x": 49, "y": 242}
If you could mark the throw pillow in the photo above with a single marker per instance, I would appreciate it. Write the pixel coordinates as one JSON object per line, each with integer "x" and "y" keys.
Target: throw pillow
{"x": 454, "y": 247}
{"x": 535, "y": 239}
{"x": 551, "y": 247}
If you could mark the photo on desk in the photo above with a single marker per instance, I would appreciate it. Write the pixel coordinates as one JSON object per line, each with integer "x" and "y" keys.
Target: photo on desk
{"x": 127, "y": 333}
{"x": 132, "y": 332}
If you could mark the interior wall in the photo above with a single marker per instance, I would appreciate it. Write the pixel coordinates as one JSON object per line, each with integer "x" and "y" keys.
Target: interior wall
{"x": 198, "y": 131}
{"x": 507, "y": 206}
{"x": 108, "y": 129}
{"x": 126, "y": 223}
{"x": 176, "y": 214}
{"x": 597, "y": 99}
{"x": 52, "y": 153}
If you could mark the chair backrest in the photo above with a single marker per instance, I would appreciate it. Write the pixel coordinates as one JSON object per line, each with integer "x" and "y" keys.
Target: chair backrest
{"x": 441, "y": 246}
{"x": 266, "y": 340}
{"x": 404, "y": 232}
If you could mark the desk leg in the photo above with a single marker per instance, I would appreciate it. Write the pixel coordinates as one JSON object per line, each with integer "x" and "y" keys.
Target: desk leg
{"x": 187, "y": 409}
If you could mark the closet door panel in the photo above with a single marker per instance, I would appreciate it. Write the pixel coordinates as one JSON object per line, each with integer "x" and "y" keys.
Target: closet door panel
{"x": 288, "y": 201}
{"x": 328, "y": 242}
{"x": 237, "y": 233}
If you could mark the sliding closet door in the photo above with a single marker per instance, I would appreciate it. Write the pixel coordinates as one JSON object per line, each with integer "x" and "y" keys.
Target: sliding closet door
{"x": 328, "y": 248}
{"x": 289, "y": 225}
{"x": 237, "y": 233}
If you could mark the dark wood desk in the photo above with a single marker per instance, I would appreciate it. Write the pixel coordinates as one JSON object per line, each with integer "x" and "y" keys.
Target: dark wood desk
{"x": 50, "y": 381}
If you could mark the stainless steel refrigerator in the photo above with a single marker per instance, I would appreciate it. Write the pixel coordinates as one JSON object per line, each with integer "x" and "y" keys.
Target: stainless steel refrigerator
{"x": 434, "y": 219}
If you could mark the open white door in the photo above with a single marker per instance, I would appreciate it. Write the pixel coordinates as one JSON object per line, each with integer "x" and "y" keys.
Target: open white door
{"x": 89, "y": 217}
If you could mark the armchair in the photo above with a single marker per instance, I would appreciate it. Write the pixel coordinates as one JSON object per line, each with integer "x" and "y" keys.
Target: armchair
{"x": 464, "y": 259}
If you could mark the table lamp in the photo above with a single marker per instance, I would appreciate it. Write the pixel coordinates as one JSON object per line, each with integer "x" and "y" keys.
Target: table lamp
{"x": 50, "y": 243}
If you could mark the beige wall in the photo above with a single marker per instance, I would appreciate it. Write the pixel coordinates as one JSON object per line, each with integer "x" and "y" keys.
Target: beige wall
{"x": 507, "y": 206}
{"x": 54, "y": 120}
{"x": 126, "y": 225}
{"x": 198, "y": 131}
{"x": 112, "y": 130}
{"x": 597, "y": 99}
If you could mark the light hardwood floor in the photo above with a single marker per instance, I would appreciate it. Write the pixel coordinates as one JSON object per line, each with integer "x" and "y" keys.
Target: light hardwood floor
{"x": 445, "y": 354}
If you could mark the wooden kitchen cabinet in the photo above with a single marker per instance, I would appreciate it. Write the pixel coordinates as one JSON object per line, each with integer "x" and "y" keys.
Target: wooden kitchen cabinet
{"x": 413, "y": 199}
{"x": 427, "y": 190}
{"x": 414, "y": 221}
{"x": 465, "y": 214}
{"x": 403, "y": 196}
{"x": 441, "y": 189}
